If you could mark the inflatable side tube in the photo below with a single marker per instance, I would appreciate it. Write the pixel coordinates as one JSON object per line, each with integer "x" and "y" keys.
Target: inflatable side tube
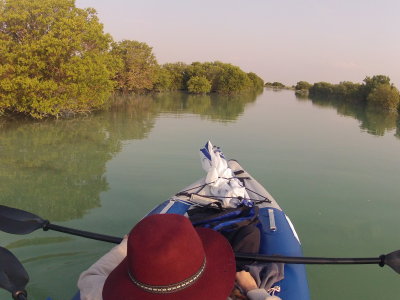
{"x": 171, "y": 207}
{"x": 278, "y": 237}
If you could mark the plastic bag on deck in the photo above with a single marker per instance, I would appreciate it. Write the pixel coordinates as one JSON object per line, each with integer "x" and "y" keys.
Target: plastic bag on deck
{"x": 220, "y": 177}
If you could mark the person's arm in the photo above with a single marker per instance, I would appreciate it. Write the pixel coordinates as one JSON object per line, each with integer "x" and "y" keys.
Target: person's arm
{"x": 258, "y": 294}
{"x": 92, "y": 280}
{"x": 249, "y": 285}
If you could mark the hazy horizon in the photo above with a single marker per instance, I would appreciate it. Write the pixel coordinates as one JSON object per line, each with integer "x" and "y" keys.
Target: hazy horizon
{"x": 284, "y": 41}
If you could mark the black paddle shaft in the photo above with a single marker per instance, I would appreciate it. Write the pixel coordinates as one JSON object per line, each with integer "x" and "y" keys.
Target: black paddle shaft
{"x": 311, "y": 260}
{"x": 392, "y": 260}
{"x": 86, "y": 234}
{"x": 17, "y": 221}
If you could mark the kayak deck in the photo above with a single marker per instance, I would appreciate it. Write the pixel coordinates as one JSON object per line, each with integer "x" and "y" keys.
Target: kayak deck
{"x": 278, "y": 236}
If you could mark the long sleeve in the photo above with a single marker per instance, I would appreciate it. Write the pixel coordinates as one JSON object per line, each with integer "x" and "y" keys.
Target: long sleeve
{"x": 92, "y": 280}
{"x": 258, "y": 294}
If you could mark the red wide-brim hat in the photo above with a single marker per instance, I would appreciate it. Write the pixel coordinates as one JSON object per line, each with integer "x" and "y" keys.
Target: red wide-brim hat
{"x": 214, "y": 281}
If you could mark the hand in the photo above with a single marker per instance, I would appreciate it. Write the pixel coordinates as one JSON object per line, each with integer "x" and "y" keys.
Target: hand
{"x": 246, "y": 281}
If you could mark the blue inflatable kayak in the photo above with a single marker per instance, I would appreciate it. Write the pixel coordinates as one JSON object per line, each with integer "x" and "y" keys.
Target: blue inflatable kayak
{"x": 278, "y": 236}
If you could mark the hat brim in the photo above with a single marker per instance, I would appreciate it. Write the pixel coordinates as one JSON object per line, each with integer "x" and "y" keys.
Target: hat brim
{"x": 217, "y": 280}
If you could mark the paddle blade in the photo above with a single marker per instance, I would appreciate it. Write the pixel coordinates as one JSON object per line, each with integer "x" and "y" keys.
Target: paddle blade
{"x": 393, "y": 260}
{"x": 18, "y": 221}
{"x": 13, "y": 276}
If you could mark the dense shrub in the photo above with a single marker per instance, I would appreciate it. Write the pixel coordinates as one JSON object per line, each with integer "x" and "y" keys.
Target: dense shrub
{"x": 54, "y": 58}
{"x": 375, "y": 91}
{"x": 275, "y": 84}
{"x": 163, "y": 81}
{"x": 302, "y": 85}
{"x": 370, "y": 83}
{"x": 232, "y": 80}
{"x": 140, "y": 68}
{"x": 199, "y": 85}
{"x": 257, "y": 81}
{"x": 210, "y": 70}
{"x": 177, "y": 73}
{"x": 322, "y": 89}
{"x": 224, "y": 78}
{"x": 384, "y": 96}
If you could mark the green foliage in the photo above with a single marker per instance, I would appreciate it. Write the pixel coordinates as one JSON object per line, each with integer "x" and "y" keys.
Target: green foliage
{"x": 177, "y": 73}
{"x": 384, "y": 96}
{"x": 54, "y": 58}
{"x": 348, "y": 90}
{"x": 257, "y": 81}
{"x": 232, "y": 80}
{"x": 321, "y": 89}
{"x": 139, "y": 72}
{"x": 276, "y": 85}
{"x": 209, "y": 70}
{"x": 370, "y": 83}
{"x": 164, "y": 80}
{"x": 302, "y": 85}
{"x": 345, "y": 90}
{"x": 199, "y": 85}
{"x": 224, "y": 78}
{"x": 376, "y": 91}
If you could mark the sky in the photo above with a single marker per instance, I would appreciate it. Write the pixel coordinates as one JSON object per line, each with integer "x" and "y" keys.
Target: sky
{"x": 280, "y": 40}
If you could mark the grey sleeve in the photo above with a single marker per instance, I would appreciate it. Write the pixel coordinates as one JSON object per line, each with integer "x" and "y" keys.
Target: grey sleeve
{"x": 257, "y": 294}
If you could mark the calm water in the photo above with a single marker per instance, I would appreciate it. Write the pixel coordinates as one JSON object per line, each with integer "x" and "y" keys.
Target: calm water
{"x": 333, "y": 168}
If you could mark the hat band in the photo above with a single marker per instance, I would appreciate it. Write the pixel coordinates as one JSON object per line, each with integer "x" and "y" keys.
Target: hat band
{"x": 171, "y": 288}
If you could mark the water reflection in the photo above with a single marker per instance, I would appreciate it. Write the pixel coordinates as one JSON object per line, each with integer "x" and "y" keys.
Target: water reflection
{"x": 398, "y": 129}
{"x": 56, "y": 168}
{"x": 37, "y": 241}
{"x": 46, "y": 257}
{"x": 373, "y": 121}
{"x": 221, "y": 108}
{"x": 131, "y": 117}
